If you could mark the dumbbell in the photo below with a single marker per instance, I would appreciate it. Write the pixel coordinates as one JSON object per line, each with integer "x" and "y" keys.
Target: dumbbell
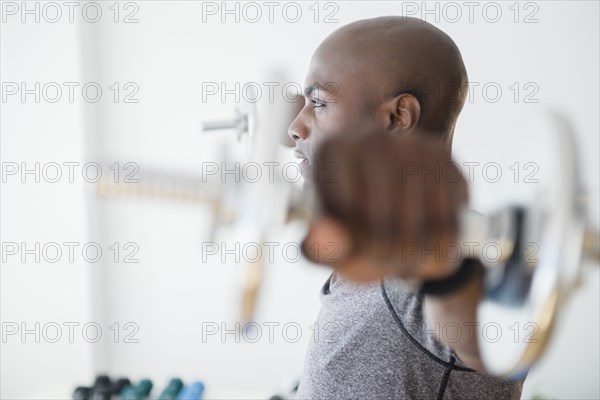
{"x": 287, "y": 392}
{"x": 107, "y": 391}
{"x": 192, "y": 392}
{"x": 84, "y": 393}
{"x": 518, "y": 288}
{"x": 172, "y": 390}
{"x": 530, "y": 291}
{"x": 138, "y": 392}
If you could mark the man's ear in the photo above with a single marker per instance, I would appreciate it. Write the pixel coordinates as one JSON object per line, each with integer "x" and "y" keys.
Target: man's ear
{"x": 327, "y": 242}
{"x": 404, "y": 113}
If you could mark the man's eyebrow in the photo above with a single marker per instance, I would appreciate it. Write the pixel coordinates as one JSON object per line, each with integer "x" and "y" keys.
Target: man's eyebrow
{"x": 308, "y": 91}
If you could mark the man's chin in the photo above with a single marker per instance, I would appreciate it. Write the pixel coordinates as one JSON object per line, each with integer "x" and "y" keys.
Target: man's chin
{"x": 306, "y": 170}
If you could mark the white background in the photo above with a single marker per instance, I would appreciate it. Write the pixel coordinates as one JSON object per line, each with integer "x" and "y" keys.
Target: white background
{"x": 170, "y": 293}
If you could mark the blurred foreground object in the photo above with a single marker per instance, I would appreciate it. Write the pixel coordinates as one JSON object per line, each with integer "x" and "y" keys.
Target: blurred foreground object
{"x": 526, "y": 290}
{"x": 395, "y": 204}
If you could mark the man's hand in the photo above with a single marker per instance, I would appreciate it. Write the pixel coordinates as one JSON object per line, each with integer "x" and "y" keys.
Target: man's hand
{"x": 388, "y": 207}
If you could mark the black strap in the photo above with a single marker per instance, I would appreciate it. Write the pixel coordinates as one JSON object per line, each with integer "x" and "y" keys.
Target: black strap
{"x": 469, "y": 269}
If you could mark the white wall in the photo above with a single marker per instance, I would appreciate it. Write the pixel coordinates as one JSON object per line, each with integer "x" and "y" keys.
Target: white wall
{"x": 41, "y": 292}
{"x": 169, "y": 53}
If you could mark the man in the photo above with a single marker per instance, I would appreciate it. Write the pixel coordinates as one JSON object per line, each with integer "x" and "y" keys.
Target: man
{"x": 383, "y": 81}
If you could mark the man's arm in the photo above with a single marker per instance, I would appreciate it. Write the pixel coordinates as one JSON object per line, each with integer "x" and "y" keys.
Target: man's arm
{"x": 459, "y": 309}
{"x": 391, "y": 200}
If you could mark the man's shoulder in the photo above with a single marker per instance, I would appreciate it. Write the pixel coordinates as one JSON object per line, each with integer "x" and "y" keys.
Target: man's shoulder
{"x": 363, "y": 305}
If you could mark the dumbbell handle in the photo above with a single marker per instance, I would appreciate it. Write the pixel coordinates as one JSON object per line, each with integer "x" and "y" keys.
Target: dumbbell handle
{"x": 217, "y": 125}
{"x": 241, "y": 122}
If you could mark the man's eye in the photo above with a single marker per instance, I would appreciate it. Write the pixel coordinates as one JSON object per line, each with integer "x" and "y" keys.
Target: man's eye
{"x": 317, "y": 103}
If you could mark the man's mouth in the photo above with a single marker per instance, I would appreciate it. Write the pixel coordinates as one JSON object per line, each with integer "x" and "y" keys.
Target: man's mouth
{"x": 304, "y": 162}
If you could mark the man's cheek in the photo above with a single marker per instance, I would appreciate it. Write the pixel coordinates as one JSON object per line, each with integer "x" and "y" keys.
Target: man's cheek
{"x": 315, "y": 143}
{"x": 321, "y": 136}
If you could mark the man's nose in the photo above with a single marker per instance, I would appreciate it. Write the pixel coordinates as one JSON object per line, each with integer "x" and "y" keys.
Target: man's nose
{"x": 297, "y": 129}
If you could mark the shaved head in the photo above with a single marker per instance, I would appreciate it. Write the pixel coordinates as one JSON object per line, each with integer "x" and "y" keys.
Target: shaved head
{"x": 394, "y": 74}
{"x": 393, "y": 55}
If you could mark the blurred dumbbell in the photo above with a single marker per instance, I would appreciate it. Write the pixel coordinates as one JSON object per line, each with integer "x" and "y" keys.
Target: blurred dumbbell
{"x": 287, "y": 392}
{"x": 138, "y": 392}
{"x": 81, "y": 393}
{"x": 105, "y": 392}
{"x": 85, "y": 393}
{"x": 172, "y": 390}
{"x": 192, "y": 392}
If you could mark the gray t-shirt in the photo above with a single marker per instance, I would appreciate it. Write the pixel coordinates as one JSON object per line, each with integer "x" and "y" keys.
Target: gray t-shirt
{"x": 370, "y": 342}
